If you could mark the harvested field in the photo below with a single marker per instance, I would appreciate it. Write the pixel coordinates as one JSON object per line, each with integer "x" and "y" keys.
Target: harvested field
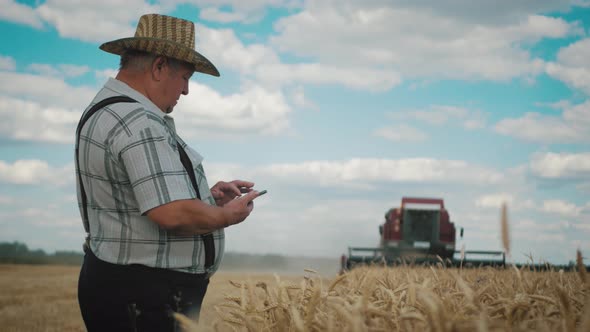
{"x": 44, "y": 297}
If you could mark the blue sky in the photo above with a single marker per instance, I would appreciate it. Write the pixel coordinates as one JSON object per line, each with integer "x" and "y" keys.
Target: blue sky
{"x": 337, "y": 108}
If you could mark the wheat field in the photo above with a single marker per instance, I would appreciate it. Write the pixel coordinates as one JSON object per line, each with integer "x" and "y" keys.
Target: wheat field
{"x": 410, "y": 299}
{"x": 43, "y": 298}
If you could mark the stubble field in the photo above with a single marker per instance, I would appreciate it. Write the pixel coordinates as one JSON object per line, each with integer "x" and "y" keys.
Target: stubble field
{"x": 43, "y": 298}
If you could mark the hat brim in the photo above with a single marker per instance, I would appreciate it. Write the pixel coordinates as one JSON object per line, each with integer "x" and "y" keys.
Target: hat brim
{"x": 162, "y": 47}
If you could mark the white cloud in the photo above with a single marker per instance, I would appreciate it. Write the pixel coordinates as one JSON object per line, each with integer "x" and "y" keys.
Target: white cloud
{"x": 494, "y": 200}
{"x": 217, "y": 15}
{"x": 356, "y": 77}
{"x": 7, "y": 63}
{"x": 401, "y": 133}
{"x": 104, "y": 75}
{"x": 261, "y": 62}
{"x": 18, "y": 13}
{"x": 42, "y": 108}
{"x": 62, "y": 70}
{"x": 35, "y": 172}
{"x": 95, "y": 21}
{"x": 299, "y": 99}
{"x": 573, "y": 65}
{"x": 33, "y": 122}
{"x": 364, "y": 172}
{"x": 561, "y": 165}
{"x": 440, "y": 115}
{"x": 255, "y": 110}
{"x": 561, "y": 207}
{"x": 47, "y": 91}
{"x": 420, "y": 41}
{"x": 512, "y": 201}
{"x": 244, "y": 11}
{"x": 225, "y": 50}
{"x": 573, "y": 126}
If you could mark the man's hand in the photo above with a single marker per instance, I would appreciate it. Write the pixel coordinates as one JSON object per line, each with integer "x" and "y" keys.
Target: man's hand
{"x": 237, "y": 210}
{"x": 225, "y": 192}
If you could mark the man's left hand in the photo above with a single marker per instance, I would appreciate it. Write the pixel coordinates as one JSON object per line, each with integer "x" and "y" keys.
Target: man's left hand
{"x": 224, "y": 192}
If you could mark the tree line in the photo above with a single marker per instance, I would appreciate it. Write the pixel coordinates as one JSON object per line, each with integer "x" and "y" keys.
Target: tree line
{"x": 19, "y": 253}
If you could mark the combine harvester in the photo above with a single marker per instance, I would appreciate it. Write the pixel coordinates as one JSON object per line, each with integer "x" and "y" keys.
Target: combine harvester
{"x": 419, "y": 232}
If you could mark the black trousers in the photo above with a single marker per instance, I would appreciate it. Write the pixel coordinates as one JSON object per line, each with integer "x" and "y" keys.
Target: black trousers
{"x": 135, "y": 297}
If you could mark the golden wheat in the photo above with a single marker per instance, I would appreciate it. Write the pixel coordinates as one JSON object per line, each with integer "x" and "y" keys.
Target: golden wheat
{"x": 411, "y": 299}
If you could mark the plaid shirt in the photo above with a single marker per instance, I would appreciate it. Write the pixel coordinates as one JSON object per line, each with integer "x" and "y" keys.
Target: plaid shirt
{"x": 130, "y": 164}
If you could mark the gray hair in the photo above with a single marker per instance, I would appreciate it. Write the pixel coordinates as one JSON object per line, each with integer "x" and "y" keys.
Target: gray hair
{"x": 140, "y": 60}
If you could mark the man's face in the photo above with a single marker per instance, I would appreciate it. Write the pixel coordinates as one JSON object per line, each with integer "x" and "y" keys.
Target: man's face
{"x": 174, "y": 84}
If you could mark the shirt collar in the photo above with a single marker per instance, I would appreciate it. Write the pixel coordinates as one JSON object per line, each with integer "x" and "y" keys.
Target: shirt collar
{"x": 121, "y": 87}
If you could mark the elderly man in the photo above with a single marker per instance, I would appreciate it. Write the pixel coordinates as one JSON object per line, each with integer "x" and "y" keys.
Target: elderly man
{"x": 154, "y": 228}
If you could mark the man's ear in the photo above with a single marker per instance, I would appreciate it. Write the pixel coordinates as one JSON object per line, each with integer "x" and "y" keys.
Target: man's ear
{"x": 158, "y": 67}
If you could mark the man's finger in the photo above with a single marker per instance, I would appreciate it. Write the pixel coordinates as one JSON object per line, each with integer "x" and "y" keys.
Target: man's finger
{"x": 249, "y": 197}
{"x": 245, "y": 190}
{"x": 242, "y": 183}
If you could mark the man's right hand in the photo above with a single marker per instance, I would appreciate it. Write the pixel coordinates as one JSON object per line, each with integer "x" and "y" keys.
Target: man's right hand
{"x": 240, "y": 208}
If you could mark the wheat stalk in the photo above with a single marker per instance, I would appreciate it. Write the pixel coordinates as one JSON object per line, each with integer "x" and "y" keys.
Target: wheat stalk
{"x": 505, "y": 230}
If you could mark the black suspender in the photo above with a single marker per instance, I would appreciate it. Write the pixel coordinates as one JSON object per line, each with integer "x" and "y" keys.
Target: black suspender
{"x": 207, "y": 239}
{"x": 96, "y": 107}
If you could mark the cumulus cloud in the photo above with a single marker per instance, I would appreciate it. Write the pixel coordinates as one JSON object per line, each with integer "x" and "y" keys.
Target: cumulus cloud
{"x": 512, "y": 201}
{"x": 561, "y": 165}
{"x": 33, "y": 122}
{"x": 494, "y": 200}
{"x": 62, "y": 70}
{"x": 364, "y": 172}
{"x": 42, "y": 108}
{"x": 35, "y": 172}
{"x": 216, "y": 15}
{"x": 249, "y": 11}
{"x": 225, "y": 50}
{"x": 440, "y": 115}
{"x": 47, "y": 91}
{"x": 573, "y": 126}
{"x": 256, "y": 110}
{"x": 420, "y": 41}
{"x": 262, "y": 63}
{"x": 19, "y": 13}
{"x": 95, "y": 21}
{"x": 561, "y": 207}
{"x": 299, "y": 99}
{"x": 7, "y": 63}
{"x": 573, "y": 65}
{"x": 401, "y": 133}
{"x": 358, "y": 77}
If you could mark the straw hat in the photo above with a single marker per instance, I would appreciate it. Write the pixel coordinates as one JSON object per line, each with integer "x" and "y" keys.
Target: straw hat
{"x": 164, "y": 35}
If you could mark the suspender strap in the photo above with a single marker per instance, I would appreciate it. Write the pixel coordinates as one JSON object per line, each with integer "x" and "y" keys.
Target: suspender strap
{"x": 91, "y": 111}
{"x": 207, "y": 239}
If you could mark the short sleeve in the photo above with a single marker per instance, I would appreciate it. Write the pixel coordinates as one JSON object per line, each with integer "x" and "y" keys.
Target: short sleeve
{"x": 149, "y": 156}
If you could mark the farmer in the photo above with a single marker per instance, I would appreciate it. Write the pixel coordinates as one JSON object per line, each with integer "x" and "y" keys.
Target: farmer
{"x": 155, "y": 229}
